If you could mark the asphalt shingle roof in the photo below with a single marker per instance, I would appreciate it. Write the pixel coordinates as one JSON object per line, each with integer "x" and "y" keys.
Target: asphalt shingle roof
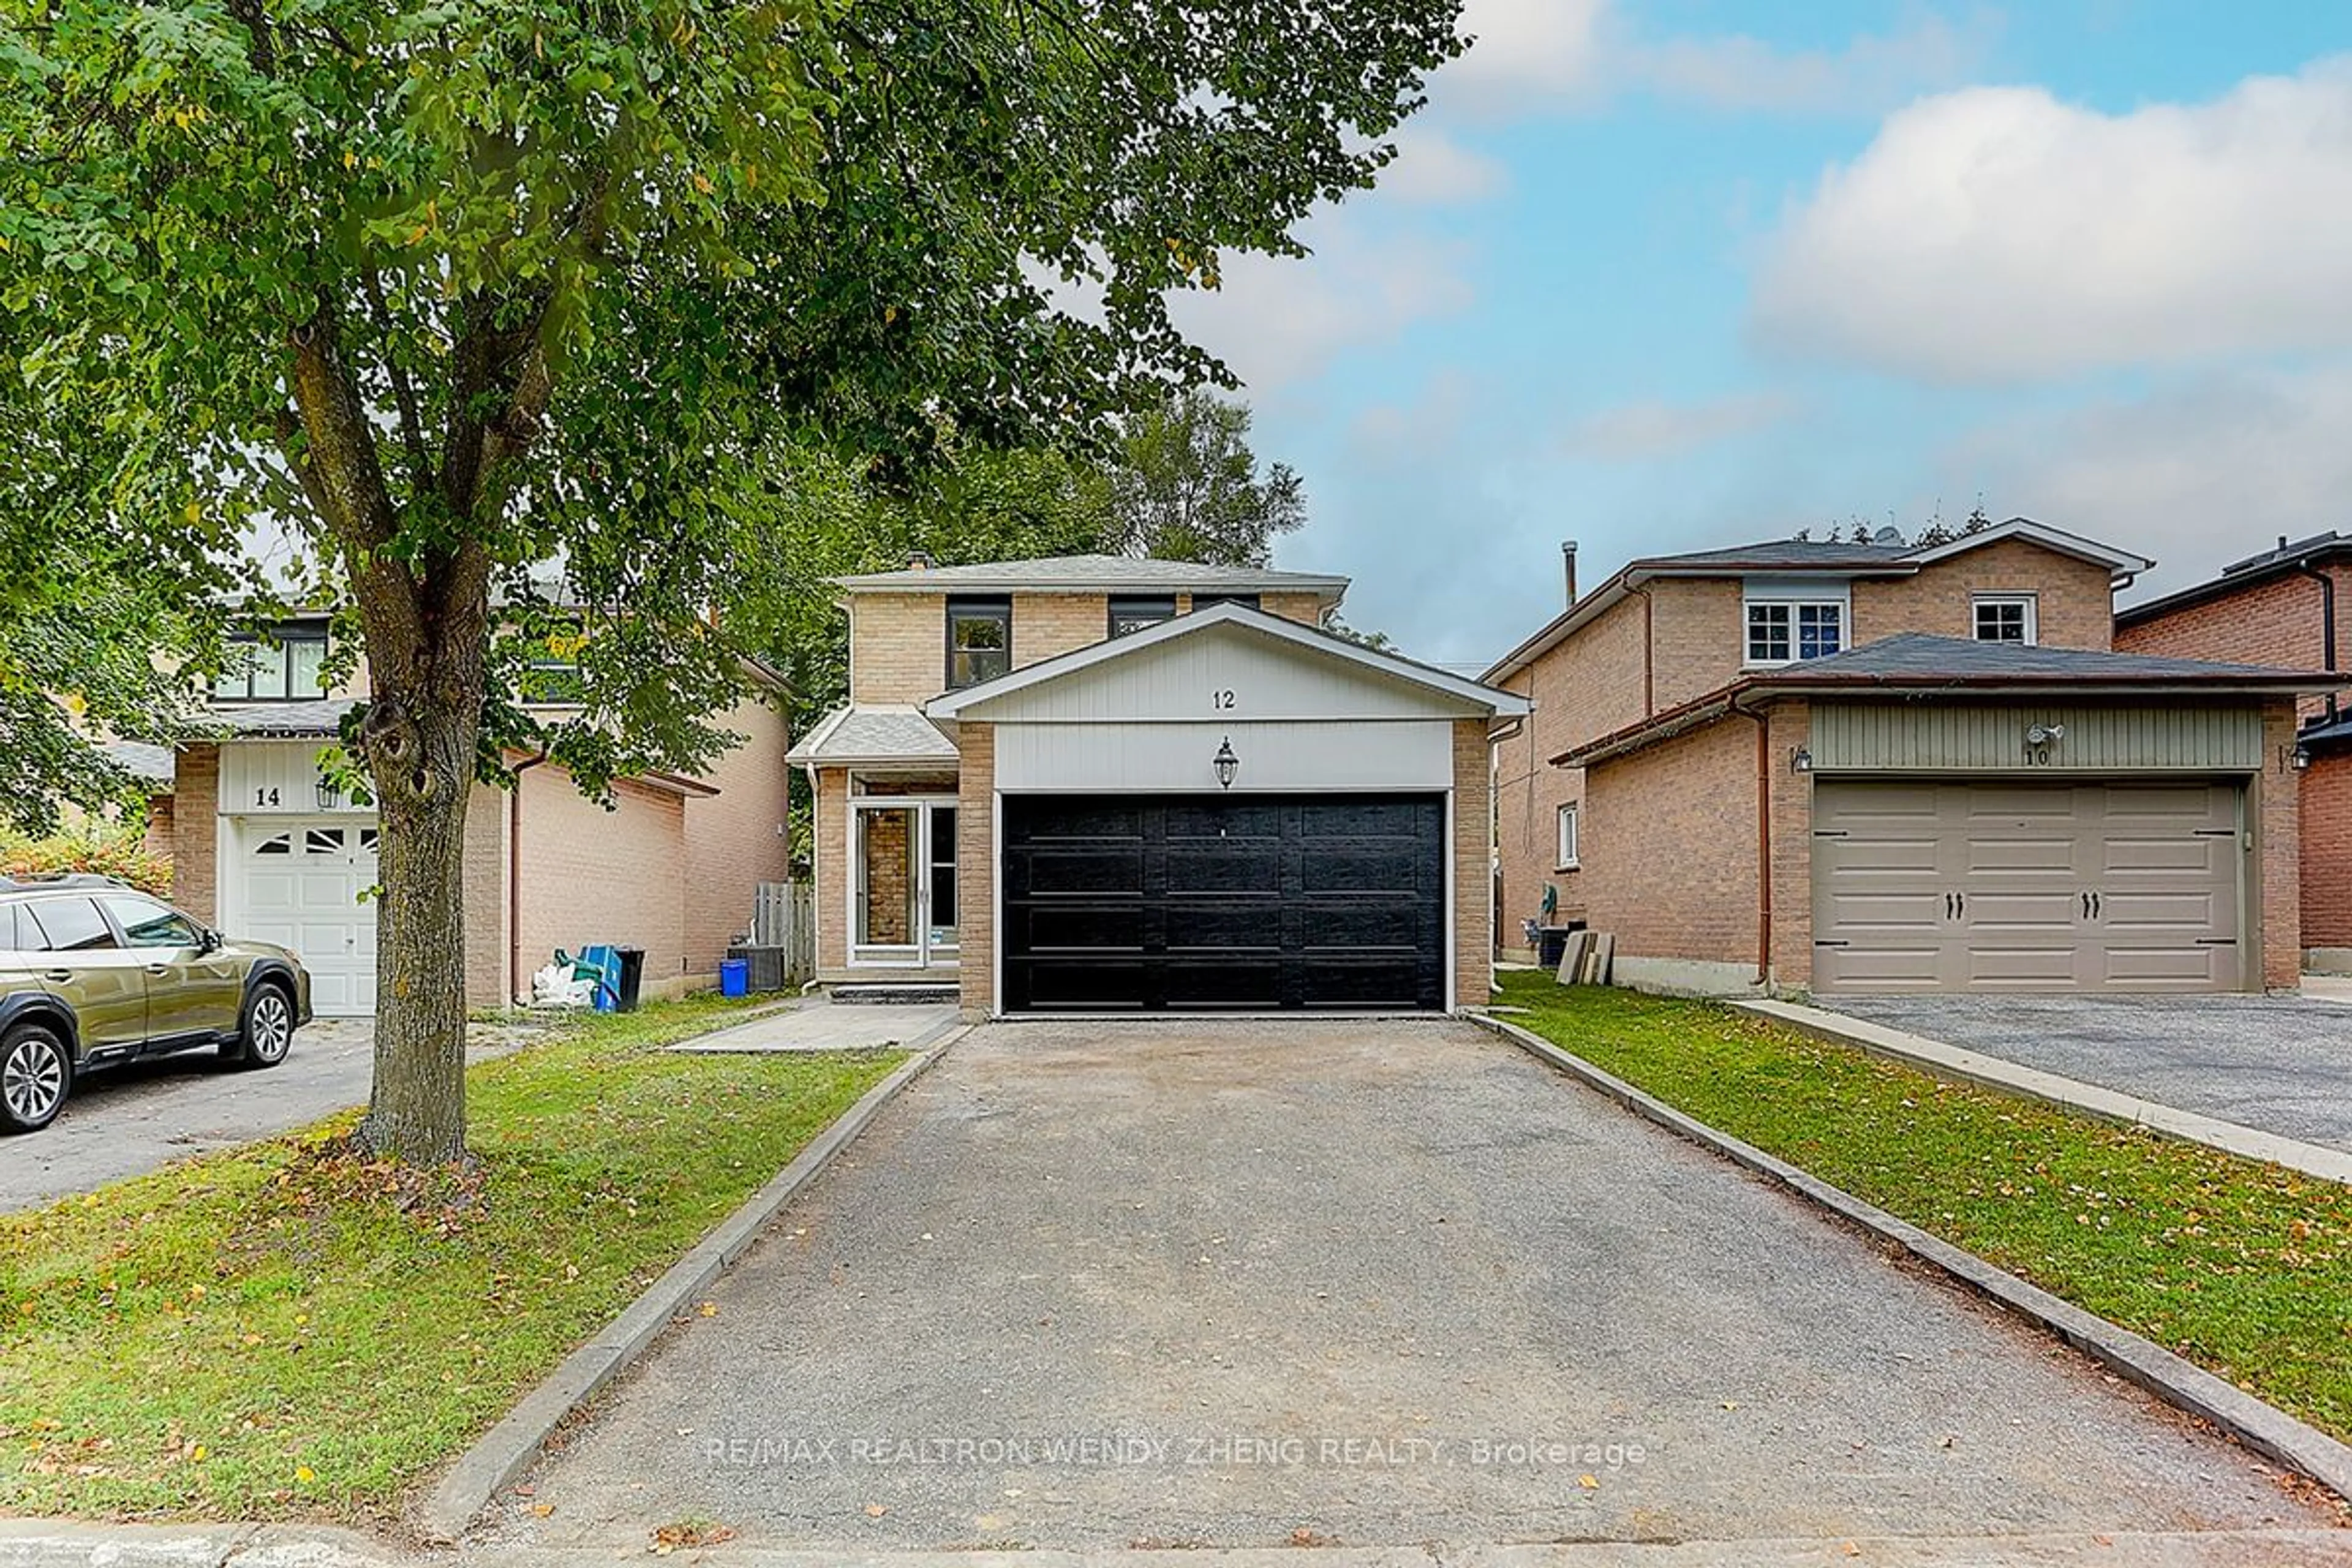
{"x": 1917, "y": 657}
{"x": 1083, "y": 571}
{"x": 874, "y": 734}
{"x": 1826, "y": 554}
{"x": 150, "y": 764}
{"x": 320, "y": 716}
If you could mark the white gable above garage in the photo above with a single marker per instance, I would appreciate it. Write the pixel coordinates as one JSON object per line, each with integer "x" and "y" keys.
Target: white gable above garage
{"x": 1229, "y": 662}
{"x": 1293, "y": 707}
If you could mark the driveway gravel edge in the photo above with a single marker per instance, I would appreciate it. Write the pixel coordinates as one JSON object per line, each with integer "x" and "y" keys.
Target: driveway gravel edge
{"x": 509, "y": 1448}
{"x": 2261, "y": 1427}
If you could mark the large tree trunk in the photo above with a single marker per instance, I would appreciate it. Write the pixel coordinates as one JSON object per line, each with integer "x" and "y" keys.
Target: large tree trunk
{"x": 421, "y": 758}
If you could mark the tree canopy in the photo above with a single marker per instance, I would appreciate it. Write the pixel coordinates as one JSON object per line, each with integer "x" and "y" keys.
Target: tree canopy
{"x": 451, "y": 287}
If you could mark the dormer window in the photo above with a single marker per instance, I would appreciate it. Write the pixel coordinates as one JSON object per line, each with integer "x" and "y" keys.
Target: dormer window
{"x": 2007, "y": 617}
{"x": 289, "y": 666}
{"x": 979, "y": 640}
{"x": 1785, "y": 631}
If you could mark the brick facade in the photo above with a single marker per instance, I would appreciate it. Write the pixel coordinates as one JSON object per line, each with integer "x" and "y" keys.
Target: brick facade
{"x": 976, "y": 867}
{"x": 2275, "y": 621}
{"x": 2074, "y": 599}
{"x": 590, "y": 875}
{"x": 195, "y": 828}
{"x": 1669, "y": 847}
{"x": 2277, "y": 810}
{"x": 736, "y": 839}
{"x": 492, "y": 975}
{"x": 2326, "y": 861}
{"x": 1676, "y": 638}
{"x": 1473, "y": 890}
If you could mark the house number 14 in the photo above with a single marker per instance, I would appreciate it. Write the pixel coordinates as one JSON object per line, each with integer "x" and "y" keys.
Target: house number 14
{"x": 1224, "y": 698}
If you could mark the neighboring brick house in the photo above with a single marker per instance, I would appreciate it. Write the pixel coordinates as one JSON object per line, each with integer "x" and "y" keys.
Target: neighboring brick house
{"x": 2285, "y": 605}
{"x": 262, "y": 846}
{"x": 1099, "y": 783}
{"x": 1822, "y": 765}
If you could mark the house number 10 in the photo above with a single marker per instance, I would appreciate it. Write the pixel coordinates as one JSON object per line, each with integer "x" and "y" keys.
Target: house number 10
{"x": 1224, "y": 698}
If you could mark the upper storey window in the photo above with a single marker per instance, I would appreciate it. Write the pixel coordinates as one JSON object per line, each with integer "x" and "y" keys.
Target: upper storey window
{"x": 2006, "y": 617}
{"x": 1133, "y": 612}
{"x": 979, "y": 639}
{"x": 287, "y": 668}
{"x": 1783, "y": 631}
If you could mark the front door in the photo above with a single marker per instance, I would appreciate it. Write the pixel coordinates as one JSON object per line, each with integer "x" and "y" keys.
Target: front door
{"x": 903, "y": 888}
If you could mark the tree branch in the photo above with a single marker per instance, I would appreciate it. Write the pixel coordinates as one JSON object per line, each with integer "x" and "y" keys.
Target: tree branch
{"x": 411, "y": 428}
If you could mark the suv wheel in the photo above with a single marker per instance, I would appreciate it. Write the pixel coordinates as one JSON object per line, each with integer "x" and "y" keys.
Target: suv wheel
{"x": 267, "y": 1032}
{"x": 36, "y": 1076}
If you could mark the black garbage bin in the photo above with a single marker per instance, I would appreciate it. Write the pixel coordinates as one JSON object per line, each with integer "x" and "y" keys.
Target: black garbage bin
{"x": 633, "y": 977}
{"x": 1551, "y": 941}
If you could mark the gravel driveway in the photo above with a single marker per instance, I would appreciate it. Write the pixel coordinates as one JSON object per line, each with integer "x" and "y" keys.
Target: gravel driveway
{"x": 2283, "y": 1064}
{"x": 1089, "y": 1286}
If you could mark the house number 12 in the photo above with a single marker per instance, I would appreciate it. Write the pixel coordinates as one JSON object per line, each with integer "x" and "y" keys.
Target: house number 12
{"x": 1224, "y": 698}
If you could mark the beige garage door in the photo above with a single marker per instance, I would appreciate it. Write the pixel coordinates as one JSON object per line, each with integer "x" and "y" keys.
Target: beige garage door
{"x": 1922, "y": 887}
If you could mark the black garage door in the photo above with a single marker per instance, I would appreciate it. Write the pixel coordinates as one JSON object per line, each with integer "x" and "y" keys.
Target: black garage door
{"x": 1208, "y": 902}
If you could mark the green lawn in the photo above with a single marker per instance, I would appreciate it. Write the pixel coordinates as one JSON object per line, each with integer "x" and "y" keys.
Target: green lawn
{"x": 2239, "y": 1267}
{"x": 283, "y": 1331}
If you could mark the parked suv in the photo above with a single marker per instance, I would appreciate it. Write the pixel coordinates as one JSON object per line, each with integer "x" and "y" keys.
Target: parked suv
{"x": 94, "y": 972}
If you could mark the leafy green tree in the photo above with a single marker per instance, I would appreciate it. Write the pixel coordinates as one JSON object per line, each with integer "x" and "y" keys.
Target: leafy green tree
{"x": 1185, "y": 486}
{"x": 453, "y": 287}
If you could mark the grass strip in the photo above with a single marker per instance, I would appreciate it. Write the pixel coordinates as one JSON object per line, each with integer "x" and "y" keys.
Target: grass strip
{"x": 285, "y": 1331}
{"x": 2238, "y": 1266}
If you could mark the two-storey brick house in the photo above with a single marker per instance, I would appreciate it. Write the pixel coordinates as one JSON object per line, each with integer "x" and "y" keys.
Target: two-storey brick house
{"x": 2285, "y": 605}
{"x": 1881, "y": 766}
{"x": 1096, "y": 783}
{"x": 262, "y": 844}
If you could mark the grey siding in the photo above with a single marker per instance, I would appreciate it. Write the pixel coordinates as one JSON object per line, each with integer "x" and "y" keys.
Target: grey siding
{"x": 1887, "y": 737}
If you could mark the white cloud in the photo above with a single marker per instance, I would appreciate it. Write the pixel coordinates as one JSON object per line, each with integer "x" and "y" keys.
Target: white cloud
{"x": 1523, "y": 49}
{"x": 1532, "y": 55}
{"x": 1433, "y": 169}
{"x": 1635, "y": 432}
{"x": 1996, "y": 233}
{"x": 2204, "y": 470}
{"x": 1870, "y": 74}
{"x": 1278, "y": 320}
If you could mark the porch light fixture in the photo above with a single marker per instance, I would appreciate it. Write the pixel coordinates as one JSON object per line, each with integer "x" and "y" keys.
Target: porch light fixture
{"x": 329, "y": 796}
{"x": 2300, "y": 758}
{"x": 1800, "y": 760}
{"x": 1226, "y": 764}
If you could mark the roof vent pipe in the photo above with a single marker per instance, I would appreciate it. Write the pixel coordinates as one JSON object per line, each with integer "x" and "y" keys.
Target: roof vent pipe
{"x": 1567, "y": 560}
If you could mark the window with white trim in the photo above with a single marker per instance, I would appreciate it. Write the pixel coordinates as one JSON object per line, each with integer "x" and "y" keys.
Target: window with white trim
{"x": 2007, "y": 617}
{"x": 1786, "y": 631}
{"x": 1566, "y": 861}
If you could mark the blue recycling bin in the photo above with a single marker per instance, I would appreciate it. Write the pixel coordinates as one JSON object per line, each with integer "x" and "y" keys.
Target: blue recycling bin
{"x": 734, "y": 977}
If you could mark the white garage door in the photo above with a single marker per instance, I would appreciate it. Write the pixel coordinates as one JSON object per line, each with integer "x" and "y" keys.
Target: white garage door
{"x": 299, "y": 884}
{"x": 2103, "y": 887}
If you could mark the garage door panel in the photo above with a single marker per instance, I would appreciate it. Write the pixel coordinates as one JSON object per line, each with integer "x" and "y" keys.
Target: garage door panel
{"x": 1356, "y": 926}
{"x": 1875, "y": 966}
{"x": 1222, "y": 820}
{"x": 2005, "y": 913}
{"x": 1066, "y": 872}
{"x": 1358, "y": 871}
{"x": 2028, "y": 888}
{"x": 1237, "y": 903}
{"x": 1223, "y": 868}
{"x": 1077, "y": 927}
{"x": 1191, "y": 927}
{"x": 305, "y": 886}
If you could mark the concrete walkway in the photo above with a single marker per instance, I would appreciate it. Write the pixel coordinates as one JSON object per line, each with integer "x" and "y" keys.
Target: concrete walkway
{"x": 817, "y": 1025}
{"x": 2268, "y": 1077}
{"x": 1085, "y": 1287}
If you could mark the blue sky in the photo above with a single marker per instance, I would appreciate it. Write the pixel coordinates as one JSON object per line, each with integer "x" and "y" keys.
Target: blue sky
{"x": 1677, "y": 275}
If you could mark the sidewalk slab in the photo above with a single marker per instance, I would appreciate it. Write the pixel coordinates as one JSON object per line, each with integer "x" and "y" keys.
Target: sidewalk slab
{"x": 819, "y": 1026}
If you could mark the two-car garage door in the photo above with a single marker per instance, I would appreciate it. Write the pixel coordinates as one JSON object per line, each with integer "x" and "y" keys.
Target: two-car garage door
{"x": 1224, "y": 902}
{"x": 2027, "y": 886}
